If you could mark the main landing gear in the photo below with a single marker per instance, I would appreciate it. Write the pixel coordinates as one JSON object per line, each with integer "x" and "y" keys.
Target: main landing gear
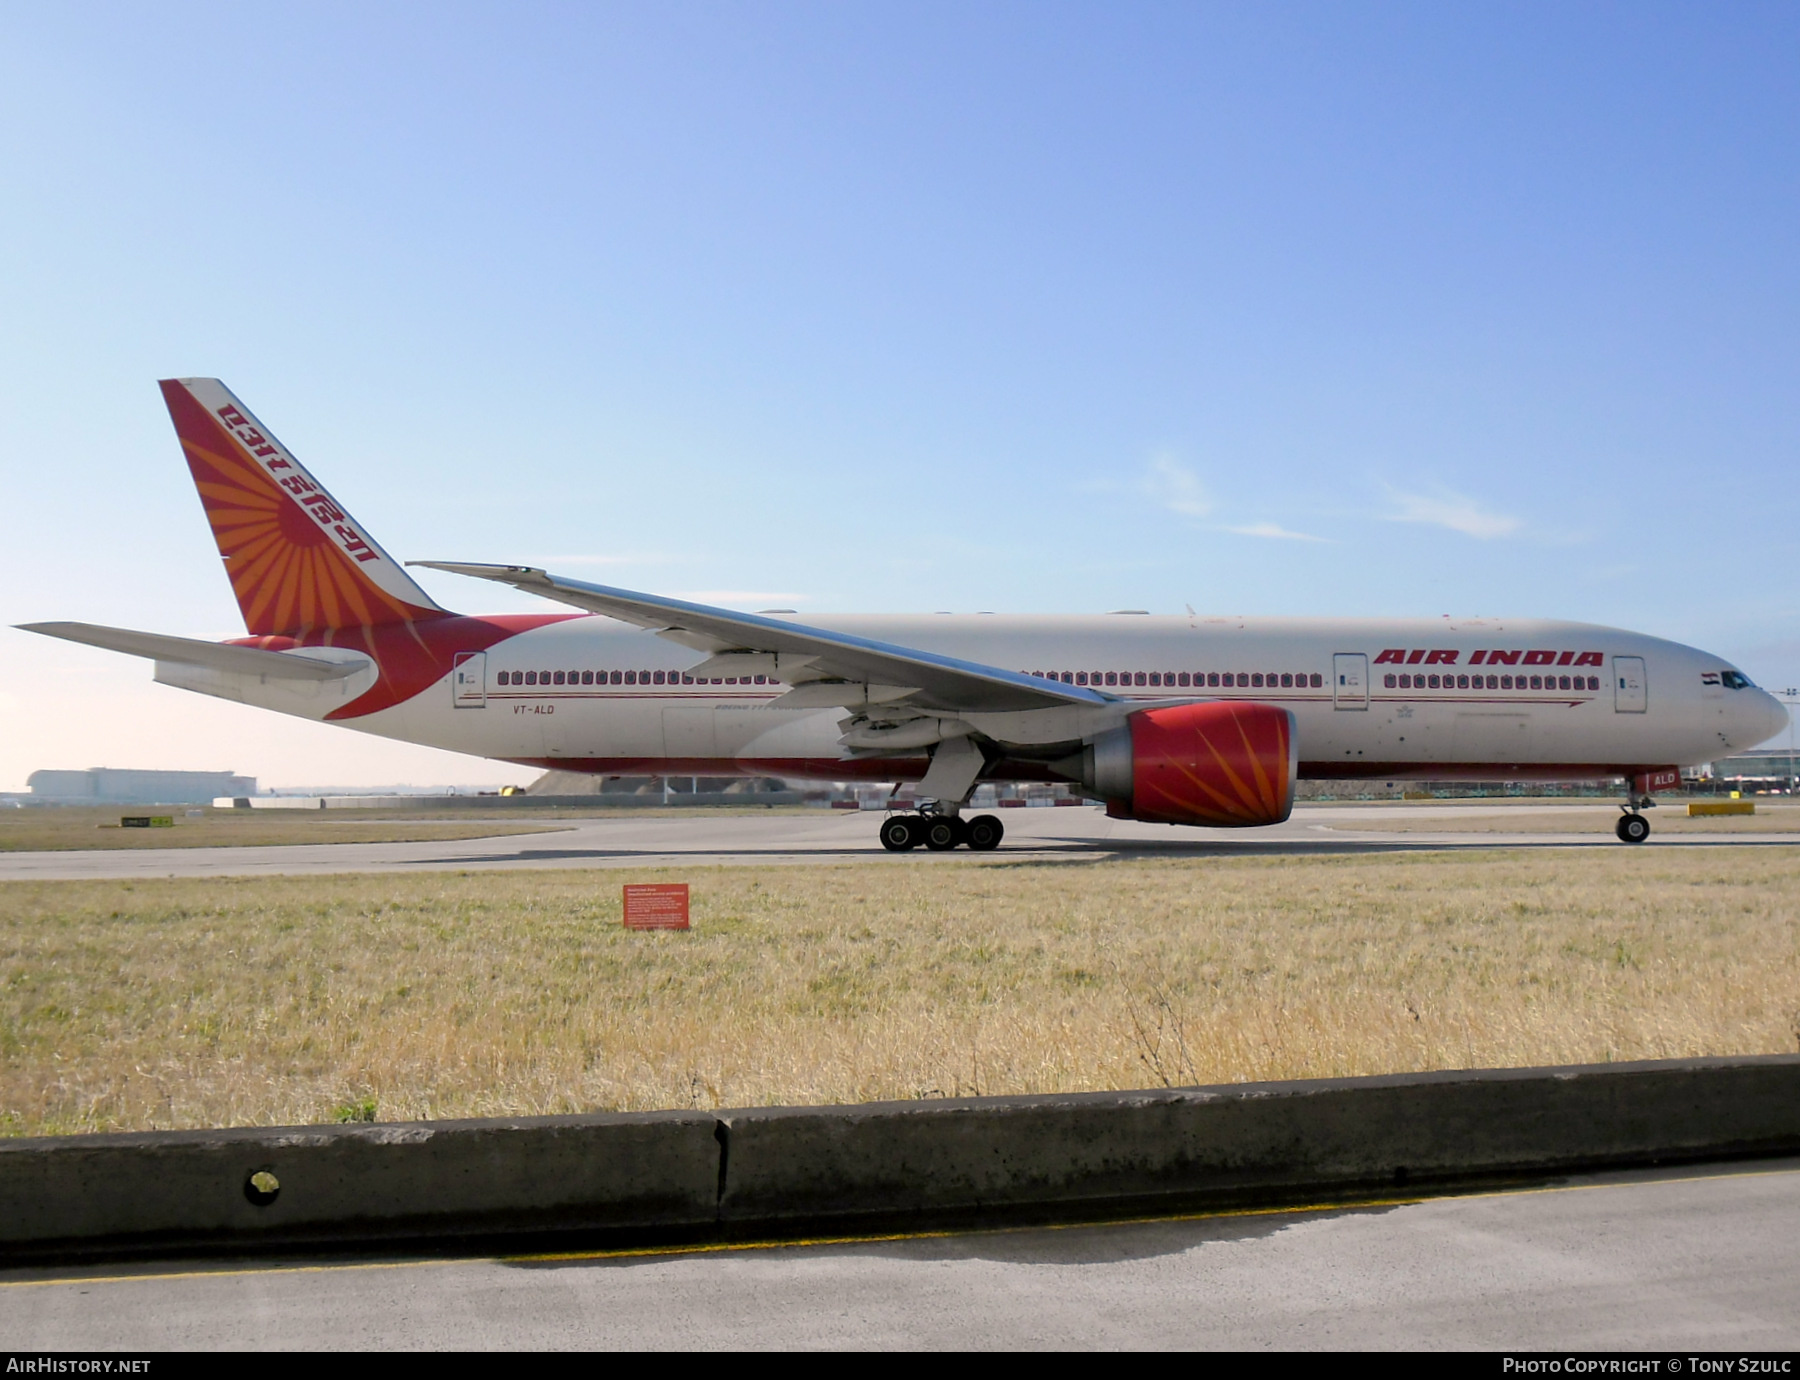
{"x": 1632, "y": 827}
{"x": 940, "y": 832}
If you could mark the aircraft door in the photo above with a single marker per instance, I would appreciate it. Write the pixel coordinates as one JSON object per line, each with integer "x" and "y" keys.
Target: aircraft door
{"x": 1631, "y": 688}
{"x": 1350, "y": 680}
{"x": 468, "y": 680}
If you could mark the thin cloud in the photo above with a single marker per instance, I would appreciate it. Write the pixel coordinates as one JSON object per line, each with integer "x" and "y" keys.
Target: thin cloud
{"x": 741, "y": 596}
{"x": 1455, "y": 511}
{"x": 600, "y": 560}
{"x": 1173, "y": 486}
{"x": 1274, "y": 531}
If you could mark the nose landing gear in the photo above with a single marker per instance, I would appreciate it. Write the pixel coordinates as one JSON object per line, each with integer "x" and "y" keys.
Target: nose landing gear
{"x": 941, "y": 832}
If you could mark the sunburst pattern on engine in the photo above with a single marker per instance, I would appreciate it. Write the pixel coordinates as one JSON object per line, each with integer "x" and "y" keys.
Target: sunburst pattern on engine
{"x": 1219, "y": 764}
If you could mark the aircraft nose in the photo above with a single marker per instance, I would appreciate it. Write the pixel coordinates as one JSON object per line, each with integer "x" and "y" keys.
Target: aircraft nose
{"x": 1760, "y": 717}
{"x": 1775, "y": 715}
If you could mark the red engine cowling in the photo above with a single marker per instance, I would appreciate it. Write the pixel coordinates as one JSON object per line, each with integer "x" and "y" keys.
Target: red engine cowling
{"x": 1218, "y": 764}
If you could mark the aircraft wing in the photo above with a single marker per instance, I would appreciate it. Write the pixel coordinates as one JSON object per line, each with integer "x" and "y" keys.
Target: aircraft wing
{"x": 825, "y": 668}
{"x": 220, "y": 656}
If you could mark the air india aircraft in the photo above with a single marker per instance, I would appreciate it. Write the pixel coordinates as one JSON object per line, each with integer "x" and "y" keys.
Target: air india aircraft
{"x": 1171, "y": 720}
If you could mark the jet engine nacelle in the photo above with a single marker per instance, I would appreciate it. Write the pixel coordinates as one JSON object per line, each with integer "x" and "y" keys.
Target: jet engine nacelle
{"x": 1219, "y": 764}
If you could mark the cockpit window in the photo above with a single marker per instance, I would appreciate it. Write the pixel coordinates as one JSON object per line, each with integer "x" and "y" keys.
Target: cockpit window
{"x": 1735, "y": 680}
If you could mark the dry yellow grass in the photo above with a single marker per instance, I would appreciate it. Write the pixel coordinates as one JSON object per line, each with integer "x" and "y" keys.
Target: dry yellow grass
{"x": 1670, "y": 818}
{"x": 65, "y": 827}
{"x": 235, "y": 1001}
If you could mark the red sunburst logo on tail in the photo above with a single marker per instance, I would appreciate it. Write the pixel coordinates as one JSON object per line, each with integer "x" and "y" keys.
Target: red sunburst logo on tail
{"x": 297, "y": 561}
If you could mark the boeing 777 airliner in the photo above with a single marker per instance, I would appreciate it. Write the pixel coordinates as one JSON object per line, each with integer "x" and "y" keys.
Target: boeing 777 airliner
{"x": 1173, "y": 720}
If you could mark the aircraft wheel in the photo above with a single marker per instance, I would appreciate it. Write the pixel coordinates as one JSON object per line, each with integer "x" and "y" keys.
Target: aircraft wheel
{"x": 1632, "y": 828}
{"x": 899, "y": 833}
{"x": 942, "y": 834}
{"x": 985, "y": 833}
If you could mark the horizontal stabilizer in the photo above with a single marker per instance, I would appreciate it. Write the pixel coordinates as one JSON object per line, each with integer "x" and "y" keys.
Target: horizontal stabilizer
{"x": 187, "y": 651}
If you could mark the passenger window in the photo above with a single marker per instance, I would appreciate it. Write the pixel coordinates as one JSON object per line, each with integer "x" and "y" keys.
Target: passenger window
{"x": 1184, "y": 677}
{"x": 1112, "y": 677}
{"x": 631, "y": 677}
{"x": 531, "y": 677}
{"x": 1287, "y": 679}
{"x": 1462, "y": 682}
{"x": 1317, "y": 680}
{"x": 1506, "y": 682}
{"x": 1141, "y": 678}
{"x": 1156, "y": 677}
{"x": 617, "y": 678}
{"x": 1390, "y": 680}
{"x": 1081, "y": 677}
{"x": 1256, "y": 680}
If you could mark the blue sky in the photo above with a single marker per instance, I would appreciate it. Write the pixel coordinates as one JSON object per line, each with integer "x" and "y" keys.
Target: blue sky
{"x": 1329, "y": 309}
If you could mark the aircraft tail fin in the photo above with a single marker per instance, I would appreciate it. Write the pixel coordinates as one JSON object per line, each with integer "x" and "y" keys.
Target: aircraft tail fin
{"x": 298, "y": 561}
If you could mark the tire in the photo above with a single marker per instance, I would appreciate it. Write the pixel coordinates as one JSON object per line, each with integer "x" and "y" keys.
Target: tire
{"x": 1632, "y": 828}
{"x": 941, "y": 834}
{"x": 899, "y": 833}
{"x": 985, "y": 833}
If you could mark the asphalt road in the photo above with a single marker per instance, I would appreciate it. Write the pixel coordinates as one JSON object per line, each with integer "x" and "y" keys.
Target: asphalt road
{"x": 1657, "y": 1263}
{"x": 677, "y": 838}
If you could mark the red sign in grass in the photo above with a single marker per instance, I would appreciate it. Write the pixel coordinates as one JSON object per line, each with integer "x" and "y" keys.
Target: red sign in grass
{"x": 662, "y": 906}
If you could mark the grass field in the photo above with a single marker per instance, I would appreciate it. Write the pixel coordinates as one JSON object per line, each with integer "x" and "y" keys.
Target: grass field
{"x": 66, "y": 827}
{"x": 173, "y": 1003}
{"x": 1535, "y": 818}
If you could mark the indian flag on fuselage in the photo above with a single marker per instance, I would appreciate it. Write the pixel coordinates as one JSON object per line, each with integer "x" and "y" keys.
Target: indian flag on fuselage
{"x": 298, "y": 561}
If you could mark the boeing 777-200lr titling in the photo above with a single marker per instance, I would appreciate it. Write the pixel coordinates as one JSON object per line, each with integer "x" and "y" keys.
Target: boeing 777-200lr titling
{"x": 1184, "y": 720}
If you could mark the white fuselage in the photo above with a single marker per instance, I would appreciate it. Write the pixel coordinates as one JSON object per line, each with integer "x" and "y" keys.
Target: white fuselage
{"x": 1492, "y": 699}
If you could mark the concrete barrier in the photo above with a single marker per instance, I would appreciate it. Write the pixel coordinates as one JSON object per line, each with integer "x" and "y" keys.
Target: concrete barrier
{"x": 191, "y": 1190}
{"x": 1250, "y": 1142}
{"x": 781, "y": 1170}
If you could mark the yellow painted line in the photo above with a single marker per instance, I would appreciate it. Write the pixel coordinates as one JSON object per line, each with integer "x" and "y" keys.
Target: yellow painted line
{"x": 717, "y": 1247}
{"x": 795, "y": 1243}
{"x": 229, "y": 1273}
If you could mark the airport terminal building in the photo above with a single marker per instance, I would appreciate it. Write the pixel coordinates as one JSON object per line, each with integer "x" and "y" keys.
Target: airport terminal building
{"x": 115, "y": 786}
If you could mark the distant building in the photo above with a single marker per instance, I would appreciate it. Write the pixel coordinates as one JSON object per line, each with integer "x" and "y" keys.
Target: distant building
{"x": 110, "y": 785}
{"x": 1766, "y": 769}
